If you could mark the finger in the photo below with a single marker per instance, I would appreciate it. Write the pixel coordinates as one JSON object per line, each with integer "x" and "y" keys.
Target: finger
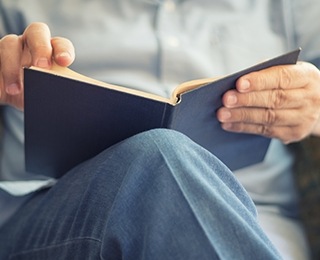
{"x": 10, "y": 56}
{"x": 277, "y": 77}
{"x": 63, "y": 51}
{"x": 275, "y": 99}
{"x": 37, "y": 38}
{"x": 16, "y": 101}
{"x": 287, "y": 134}
{"x": 262, "y": 116}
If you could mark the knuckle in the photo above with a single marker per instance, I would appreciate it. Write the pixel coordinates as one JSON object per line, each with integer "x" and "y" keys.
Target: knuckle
{"x": 62, "y": 43}
{"x": 9, "y": 40}
{"x": 36, "y": 35}
{"x": 251, "y": 99}
{"x": 266, "y": 130}
{"x": 309, "y": 70}
{"x": 244, "y": 115}
{"x": 277, "y": 98}
{"x": 270, "y": 116}
{"x": 284, "y": 77}
{"x": 259, "y": 80}
{"x": 60, "y": 39}
{"x": 37, "y": 26}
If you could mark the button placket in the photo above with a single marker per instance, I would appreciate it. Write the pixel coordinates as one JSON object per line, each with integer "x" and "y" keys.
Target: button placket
{"x": 168, "y": 29}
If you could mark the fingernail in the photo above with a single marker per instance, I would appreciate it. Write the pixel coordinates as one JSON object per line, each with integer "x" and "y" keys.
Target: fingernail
{"x": 244, "y": 85}
{"x": 224, "y": 115}
{"x": 64, "y": 55}
{"x": 231, "y": 99}
{"x": 43, "y": 63}
{"x": 227, "y": 126}
{"x": 13, "y": 89}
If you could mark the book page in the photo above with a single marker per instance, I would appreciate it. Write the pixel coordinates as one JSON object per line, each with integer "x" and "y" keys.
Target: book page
{"x": 190, "y": 85}
{"x": 71, "y": 74}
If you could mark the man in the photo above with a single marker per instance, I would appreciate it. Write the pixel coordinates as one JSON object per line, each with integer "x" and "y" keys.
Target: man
{"x": 160, "y": 44}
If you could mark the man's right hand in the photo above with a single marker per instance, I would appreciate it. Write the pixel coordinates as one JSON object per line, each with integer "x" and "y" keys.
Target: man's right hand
{"x": 35, "y": 47}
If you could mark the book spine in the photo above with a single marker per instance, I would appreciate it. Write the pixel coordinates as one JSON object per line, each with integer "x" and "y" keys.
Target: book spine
{"x": 167, "y": 116}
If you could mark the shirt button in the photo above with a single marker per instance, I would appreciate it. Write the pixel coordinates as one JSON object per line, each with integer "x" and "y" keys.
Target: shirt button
{"x": 169, "y": 5}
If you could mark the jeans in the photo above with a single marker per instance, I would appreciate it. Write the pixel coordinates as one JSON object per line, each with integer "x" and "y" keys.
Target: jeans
{"x": 156, "y": 195}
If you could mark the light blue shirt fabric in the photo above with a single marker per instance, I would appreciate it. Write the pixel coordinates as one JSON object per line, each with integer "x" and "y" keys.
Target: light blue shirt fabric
{"x": 153, "y": 45}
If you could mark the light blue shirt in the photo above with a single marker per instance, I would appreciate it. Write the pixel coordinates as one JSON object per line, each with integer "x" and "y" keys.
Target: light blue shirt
{"x": 154, "y": 45}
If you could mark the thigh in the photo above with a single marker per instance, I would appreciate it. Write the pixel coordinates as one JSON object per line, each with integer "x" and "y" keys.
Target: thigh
{"x": 157, "y": 195}
{"x": 67, "y": 220}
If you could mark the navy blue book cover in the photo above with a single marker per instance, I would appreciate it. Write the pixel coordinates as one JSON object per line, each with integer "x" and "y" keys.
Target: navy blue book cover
{"x": 68, "y": 121}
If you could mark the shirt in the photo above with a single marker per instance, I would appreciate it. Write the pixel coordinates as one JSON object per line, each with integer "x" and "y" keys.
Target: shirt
{"x": 153, "y": 45}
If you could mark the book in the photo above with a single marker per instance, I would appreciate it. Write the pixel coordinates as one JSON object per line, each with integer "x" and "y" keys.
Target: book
{"x": 70, "y": 118}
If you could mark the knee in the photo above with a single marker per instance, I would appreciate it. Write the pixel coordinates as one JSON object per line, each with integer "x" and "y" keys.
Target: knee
{"x": 167, "y": 149}
{"x": 144, "y": 149}
{"x": 155, "y": 153}
{"x": 160, "y": 138}
{"x": 168, "y": 146}
{"x": 151, "y": 145}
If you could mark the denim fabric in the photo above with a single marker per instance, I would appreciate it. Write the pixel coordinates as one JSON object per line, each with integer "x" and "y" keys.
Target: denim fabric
{"x": 156, "y": 195}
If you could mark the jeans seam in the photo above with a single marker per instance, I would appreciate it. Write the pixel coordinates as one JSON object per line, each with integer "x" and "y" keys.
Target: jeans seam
{"x": 184, "y": 195}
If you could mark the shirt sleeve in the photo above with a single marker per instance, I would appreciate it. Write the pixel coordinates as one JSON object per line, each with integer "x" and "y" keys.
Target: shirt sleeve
{"x": 11, "y": 19}
{"x": 307, "y": 31}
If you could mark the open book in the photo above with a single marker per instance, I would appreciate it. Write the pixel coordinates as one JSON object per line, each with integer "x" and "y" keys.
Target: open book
{"x": 70, "y": 118}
